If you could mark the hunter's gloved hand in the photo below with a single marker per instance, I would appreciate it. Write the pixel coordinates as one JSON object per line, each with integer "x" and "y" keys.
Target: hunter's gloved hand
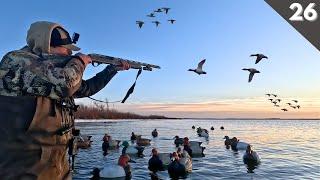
{"x": 123, "y": 66}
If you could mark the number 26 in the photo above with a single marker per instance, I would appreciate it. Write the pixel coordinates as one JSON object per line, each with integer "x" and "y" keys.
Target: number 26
{"x": 310, "y": 14}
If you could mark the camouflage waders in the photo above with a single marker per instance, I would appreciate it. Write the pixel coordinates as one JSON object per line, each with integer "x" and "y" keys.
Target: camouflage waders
{"x": 32, "y": 146}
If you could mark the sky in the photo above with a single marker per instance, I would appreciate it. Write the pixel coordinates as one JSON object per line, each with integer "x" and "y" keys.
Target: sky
{"x": 225, "y": 33}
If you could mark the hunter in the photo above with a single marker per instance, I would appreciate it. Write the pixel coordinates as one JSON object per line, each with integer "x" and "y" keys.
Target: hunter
{"x": 38, "y": 85}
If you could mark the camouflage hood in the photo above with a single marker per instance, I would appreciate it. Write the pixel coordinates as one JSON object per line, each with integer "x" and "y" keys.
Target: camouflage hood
{"x": 38, "y": 37}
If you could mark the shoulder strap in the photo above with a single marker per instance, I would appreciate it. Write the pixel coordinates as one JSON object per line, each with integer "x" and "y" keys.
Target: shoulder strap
{"x": 130, "y": 91}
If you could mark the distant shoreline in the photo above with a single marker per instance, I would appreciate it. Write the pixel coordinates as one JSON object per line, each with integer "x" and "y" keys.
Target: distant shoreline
{"x": 213, "y": 119}
{"x": 252, "y": 118}
{"x": 101, "y": 112}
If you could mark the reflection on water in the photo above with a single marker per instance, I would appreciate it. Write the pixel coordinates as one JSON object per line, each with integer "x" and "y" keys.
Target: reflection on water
{"x": 289, "y": 149}
{"x": 251, "y": 167}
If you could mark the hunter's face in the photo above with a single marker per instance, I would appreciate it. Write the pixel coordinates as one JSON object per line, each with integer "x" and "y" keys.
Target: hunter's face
{"x": 59, "y": 50}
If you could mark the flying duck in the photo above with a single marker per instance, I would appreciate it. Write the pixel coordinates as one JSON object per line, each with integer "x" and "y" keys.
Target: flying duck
{"x": 172, "y": 21}
{"x": 151, "y": 15}
{"x": 252, "y": 72}
{"x": 166, "y": 10}
{"x": 199, "y": 68}
{"x": 259, "y": 57}
{"x": 156, "y": 22}
{"x": 140, "y": 23}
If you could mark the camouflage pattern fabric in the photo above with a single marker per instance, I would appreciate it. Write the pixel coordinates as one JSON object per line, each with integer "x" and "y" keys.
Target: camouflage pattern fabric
{"x": 30, "y": 145}
{"x": 23, "y": 73}
{"x": 56, "y": 77}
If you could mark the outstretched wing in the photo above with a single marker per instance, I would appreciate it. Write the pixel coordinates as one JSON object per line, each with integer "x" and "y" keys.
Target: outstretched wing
{"x": 250, "y": 77}
{"x": 201, "y": 64}
{"x": 258, "y": 59}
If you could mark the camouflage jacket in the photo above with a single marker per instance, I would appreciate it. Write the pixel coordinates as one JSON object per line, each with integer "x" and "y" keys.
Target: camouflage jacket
{"x": 23, "y": 73}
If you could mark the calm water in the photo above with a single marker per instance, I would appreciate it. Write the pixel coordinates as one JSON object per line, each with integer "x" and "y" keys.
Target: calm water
{"x": 289, "y": 149}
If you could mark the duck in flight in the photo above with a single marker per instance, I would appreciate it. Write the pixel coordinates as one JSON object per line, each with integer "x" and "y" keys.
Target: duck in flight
{"x": 156, "y": 22}
{"x": 284, "y": 109}
{"x": 296, "y": 101}
{"x": 252, "y": 72}
{"x": 270, "y": 100}
{"x": 268, "y": 95}
{"x": 166, "y": 10}
{"x": 140, "y": 23}
{"x": 172, "y": 21}
{"x": 151, "y": 15}
{"x": 199, "y": 70}
{"x": 274, "y": 95}
{"x": 259, "y": 57}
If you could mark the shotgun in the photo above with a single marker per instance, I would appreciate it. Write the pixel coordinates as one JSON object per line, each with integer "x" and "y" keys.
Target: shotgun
{"x": 103, "y": 59}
